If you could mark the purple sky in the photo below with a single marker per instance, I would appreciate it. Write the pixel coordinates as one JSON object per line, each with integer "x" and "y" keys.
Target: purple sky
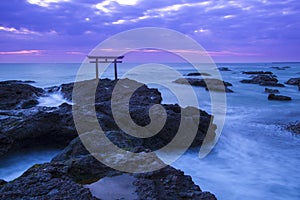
{"x": 231, "y": 31}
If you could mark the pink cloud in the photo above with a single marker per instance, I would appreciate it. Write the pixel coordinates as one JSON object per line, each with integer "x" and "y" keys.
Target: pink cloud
{"x": 20, "y": 52}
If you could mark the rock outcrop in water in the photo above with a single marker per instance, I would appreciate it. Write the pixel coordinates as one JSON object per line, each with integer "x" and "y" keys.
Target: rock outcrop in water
{"x": 18, "y": 95}
{"x": 257, "y": 72}
{"x": 293, "y": 81}
{"x": 214, "y": 84}
{"x": 198, "y": 74}
{"x": 66, "y": 175}
{"x": 268, "y": 90}
{"x": 264, "y": 80}
{"x": 279, "y": 97}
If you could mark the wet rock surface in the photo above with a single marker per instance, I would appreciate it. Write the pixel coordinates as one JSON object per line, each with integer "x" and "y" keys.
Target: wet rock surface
{"x": 18, "y": 95}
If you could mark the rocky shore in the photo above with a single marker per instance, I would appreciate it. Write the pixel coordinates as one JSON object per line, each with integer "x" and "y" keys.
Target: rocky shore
{"x": 25, "y": 124}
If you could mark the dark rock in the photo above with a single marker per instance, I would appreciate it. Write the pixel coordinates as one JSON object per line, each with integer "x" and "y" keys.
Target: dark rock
{"x": 2, "y": 182}
{"x": 169, "y": 183}
{"x": 299, "y": 87}
{"x": 264, "y": 80}
{"x": 294, "y": 127}
{"x": 267, "y": 90}
{"x": 16, "y": 94}
{"x": 293, "y": 81}
{"x": 46, "y": 181}
{"x": 74, "y": 166}
{"x": 281, "y": 68}
{"x": 257, "y": 72}
{"x": 42, "y": 128}
{"x": 224, "y": 69}
{"x": 214, "y": 84}
{"x": 279, "y": 97}
{"x": 198, "y": 74}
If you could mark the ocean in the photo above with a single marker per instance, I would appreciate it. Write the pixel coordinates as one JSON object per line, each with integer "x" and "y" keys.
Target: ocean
{"x": 255, "y": 156}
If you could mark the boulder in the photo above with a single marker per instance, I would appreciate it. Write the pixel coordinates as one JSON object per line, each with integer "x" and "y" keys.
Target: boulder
{"x": 293, "y": 81}
{"x": 263, "y": 80}
{"x": 279, "y": 97}
{"x": 268, "y": 90}
{"x": 257, "y": 72}
{"x": 18, "y": 94}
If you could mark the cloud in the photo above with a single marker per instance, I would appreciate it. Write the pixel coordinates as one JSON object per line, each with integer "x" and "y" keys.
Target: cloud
{"x": 20, "y": 52}
{"x": 218, "y": 25}
{"x": 18, "y": 31}
{"x": 45, "y": 3}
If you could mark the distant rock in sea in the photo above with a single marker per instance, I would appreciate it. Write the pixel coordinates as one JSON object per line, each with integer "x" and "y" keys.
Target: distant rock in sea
{"x": 263, "y": 80}
{"x": 198, "y": 74}
{"x": 257, "y": 72}
{"x": 268, "y": 90}
{"x": 224, "y": 69}
{"x": 281, "y": 68}
{"x": 293, "y": 81}
{"x": 208, "y": 83}
{"x": 279, "y": 97}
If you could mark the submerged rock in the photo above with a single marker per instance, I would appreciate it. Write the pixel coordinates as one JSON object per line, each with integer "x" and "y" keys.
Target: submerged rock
{"x": 279, "y": 97}
{"x": 294, "y": 127}
{"x": 293, "y": 81}
{"x": 268, "y": 90}
{"x": 208, "y": 83}
{"x": 18, "y": 94}
{"x": 263, "y": 80}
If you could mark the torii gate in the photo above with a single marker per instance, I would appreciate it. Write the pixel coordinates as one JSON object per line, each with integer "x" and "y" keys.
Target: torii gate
{"x": 106, "y": 59}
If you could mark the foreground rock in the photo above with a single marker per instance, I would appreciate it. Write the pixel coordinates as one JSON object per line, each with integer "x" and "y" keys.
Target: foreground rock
{"x": 279, "y": 97}
{"x": 293, "y": 81}
{"x": 257, "y": 72}
{"x": 214, "y": 84}
{"x": 68, "y": 174}
{"x": 294, "y": 127}
{"x": 264, "y": 80}
{"x": 268, "y": 90}
{"x": 18, "y": 94}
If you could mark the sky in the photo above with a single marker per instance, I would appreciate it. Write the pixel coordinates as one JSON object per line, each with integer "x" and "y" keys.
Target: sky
{"x": 230, "y": 31}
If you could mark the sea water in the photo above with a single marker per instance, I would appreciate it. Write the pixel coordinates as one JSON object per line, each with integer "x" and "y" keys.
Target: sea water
{"x": 255, "y": 157}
